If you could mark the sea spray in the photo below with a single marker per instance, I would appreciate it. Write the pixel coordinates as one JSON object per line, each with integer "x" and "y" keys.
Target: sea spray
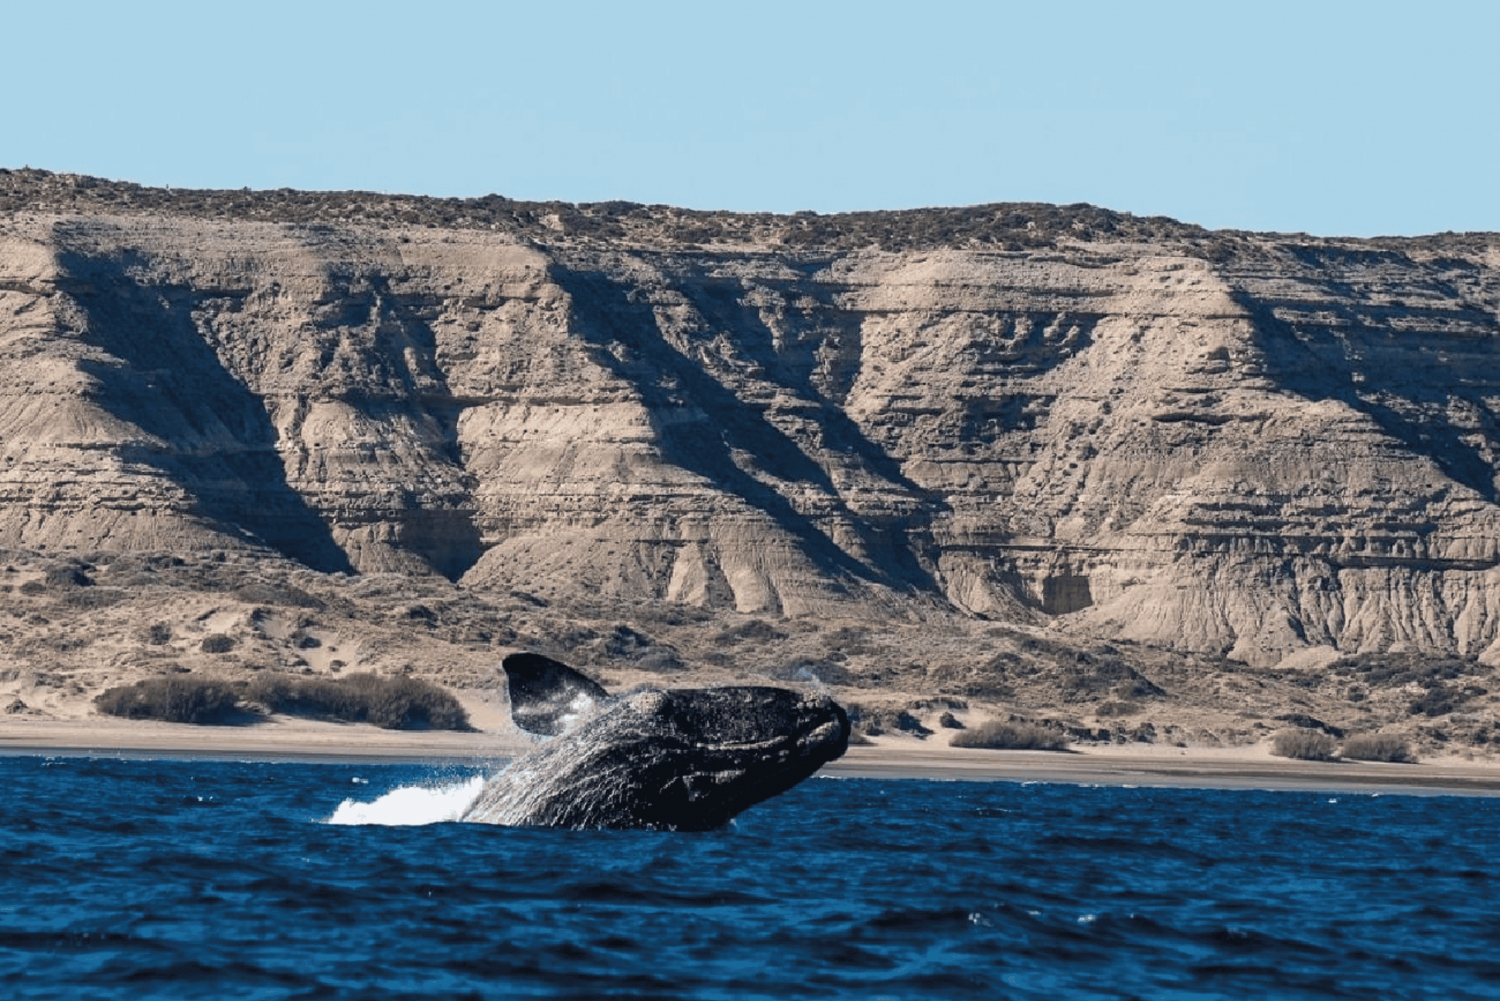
{"x": 411, "y": 806}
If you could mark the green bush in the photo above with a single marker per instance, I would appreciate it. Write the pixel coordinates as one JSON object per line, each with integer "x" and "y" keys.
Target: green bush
{"x": 1304, "y": 745}
{"x": 1377, "y": 747}
{"x": 996, "y": 735}
{"x": 390, "y": 703}
{"x": 172, "y": 700}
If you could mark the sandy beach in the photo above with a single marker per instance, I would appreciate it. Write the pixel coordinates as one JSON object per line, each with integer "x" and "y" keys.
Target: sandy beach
{"x": 1201, "y": 768}
{"x": 279, "y": 740}
{"x": 894, "y": 758}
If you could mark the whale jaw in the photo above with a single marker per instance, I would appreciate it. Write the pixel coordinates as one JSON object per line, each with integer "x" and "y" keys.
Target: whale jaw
{"x": 687, "y": 760}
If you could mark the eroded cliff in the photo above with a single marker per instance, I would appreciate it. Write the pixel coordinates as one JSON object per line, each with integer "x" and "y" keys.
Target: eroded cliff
{"x": 1231, "y": 444}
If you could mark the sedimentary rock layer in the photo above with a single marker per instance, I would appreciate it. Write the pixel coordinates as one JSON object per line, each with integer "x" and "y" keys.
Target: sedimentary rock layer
{"x": 1230, "y": 443}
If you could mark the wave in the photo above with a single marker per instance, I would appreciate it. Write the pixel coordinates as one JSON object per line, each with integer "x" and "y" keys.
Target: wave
{"x": 411, "y": 806}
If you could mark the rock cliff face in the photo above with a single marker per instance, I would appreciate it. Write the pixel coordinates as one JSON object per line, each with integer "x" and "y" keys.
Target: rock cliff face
{"x": 1237, "y": 444}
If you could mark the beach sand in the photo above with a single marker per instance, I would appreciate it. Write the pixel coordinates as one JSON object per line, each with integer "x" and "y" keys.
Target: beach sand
{"x": 894, "y": 758}
{"x": 1178, "y": 767}
{"x": 281, "y": 739}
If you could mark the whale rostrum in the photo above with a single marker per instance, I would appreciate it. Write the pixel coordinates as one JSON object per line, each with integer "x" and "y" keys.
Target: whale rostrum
{"x": 678, "y": 760}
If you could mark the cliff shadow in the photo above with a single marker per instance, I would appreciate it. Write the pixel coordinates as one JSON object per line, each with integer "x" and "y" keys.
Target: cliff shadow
{"x": 221, "y": 445}
{"x": 1413, "y": 401}
{"x": 666, "y": 379}
{"x": 402, "y": 358}
{"x": 819, "y": 336}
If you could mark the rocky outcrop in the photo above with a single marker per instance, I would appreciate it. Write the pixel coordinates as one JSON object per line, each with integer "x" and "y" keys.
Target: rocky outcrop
{"x": 1237, "y": 444}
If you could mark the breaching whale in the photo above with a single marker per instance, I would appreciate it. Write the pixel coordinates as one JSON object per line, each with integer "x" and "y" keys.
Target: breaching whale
{"x": 674, "y": 760}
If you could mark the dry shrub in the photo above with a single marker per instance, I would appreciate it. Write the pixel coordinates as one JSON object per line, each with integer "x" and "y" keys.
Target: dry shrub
{"x": 1440, "y": 699}
{"x": 390, "y": 703}
{"x": 1377, "y": 747}
{"x": 996, "y": 735}
{"x": 1304, "y": 745}
{"x": 217, "y": 643}
{"x": 276, "y": 594}
{"x": 755, "y": 630}
{"x": 172, "y": 700}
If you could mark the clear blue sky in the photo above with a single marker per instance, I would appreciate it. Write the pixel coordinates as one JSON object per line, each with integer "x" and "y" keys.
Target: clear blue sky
{"x": 1335, "y": 118}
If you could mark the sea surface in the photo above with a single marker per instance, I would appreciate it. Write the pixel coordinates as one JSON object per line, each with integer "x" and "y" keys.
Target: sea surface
{"x": 203, "y": 879}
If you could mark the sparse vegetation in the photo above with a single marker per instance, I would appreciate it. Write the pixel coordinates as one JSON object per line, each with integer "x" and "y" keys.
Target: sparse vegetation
{"x": 1001, "y": 736}
{"x": 874, "y": 723}
{"x": 662, "y": 660}
{"x": 173, "y": 700}
{"x": 217, "y": 643}
{"x": 1440, "y": 699}
{"x": 1095, "y": 675}
{"x": 68, "y": 576}
{"x": 907, "y": 723}
{"x": 972, "y": 681}
{"x": 1307, "y": 722}
{"x": 1304, "y": 745}
{"x": 756, "y": 631}
{"x": 1377, "y": 747}
{"x": 389, "y": 703}
{"x": 1001, "y": 226}
{"x": 261, "y": 593}
{"x": 1396, "y": 669}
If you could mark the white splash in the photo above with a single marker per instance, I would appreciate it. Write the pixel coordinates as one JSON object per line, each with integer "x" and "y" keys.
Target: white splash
{"x": 411, "y": 806}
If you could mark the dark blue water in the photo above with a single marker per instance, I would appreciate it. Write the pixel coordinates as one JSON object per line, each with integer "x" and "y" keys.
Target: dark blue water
{"x": 192, "y": 879}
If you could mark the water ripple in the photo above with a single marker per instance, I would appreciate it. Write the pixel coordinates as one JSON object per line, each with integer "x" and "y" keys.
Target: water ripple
{"x": 191, "y": 879}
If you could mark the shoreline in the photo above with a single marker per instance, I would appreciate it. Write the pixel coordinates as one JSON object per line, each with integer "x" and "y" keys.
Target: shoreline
{"x": 279, "y": 740}
{"x": 1188, "y": 768}
{"x": 303, "y": 741}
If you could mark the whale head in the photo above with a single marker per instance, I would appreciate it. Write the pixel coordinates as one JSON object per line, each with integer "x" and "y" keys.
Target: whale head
{"x": 681, "y": 759}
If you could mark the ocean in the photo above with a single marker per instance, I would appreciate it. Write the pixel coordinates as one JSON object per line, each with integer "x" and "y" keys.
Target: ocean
{"x": 213, "y": 879}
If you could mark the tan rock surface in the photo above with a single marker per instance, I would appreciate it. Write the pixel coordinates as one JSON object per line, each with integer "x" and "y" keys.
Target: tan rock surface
{"x": 1251, "y": 450}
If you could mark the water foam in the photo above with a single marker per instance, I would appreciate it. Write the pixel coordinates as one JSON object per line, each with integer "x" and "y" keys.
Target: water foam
{"x": 411, "y": 806}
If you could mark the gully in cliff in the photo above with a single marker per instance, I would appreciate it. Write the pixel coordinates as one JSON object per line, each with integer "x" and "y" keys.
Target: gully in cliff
{"x": 683, "y": 760}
